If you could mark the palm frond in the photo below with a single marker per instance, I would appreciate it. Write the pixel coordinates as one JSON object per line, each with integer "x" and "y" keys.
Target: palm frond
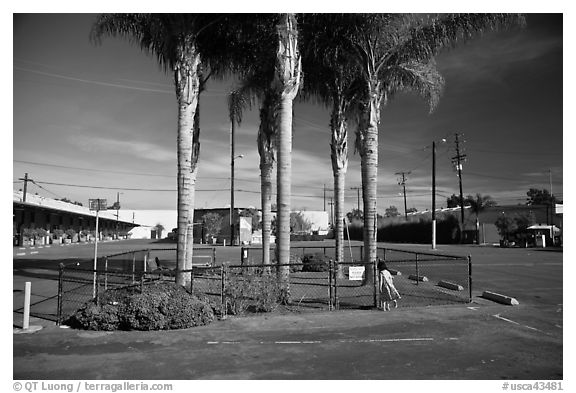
{"x": 428, "y": 37}
{"x": 422, "y": 78}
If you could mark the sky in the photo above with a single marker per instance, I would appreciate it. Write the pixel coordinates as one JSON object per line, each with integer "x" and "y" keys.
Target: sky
{"x": 100, "y": 121}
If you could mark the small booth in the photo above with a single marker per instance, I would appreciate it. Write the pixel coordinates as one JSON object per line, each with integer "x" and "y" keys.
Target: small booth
{"x": 545, "y": 235}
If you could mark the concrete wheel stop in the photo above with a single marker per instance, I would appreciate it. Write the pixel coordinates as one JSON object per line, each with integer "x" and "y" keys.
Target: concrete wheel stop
{"x": 503, "y": 299}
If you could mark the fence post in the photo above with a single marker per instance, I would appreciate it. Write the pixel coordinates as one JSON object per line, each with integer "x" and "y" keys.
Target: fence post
{"x": 214, "y": 255}
{"x": 376, "y": 284}
{"x": 330, "y": 267}
{"x": 361, "y": 253}
{"x": 133, "y": 265}
{"x": 106, "y": 273}
{"x": 222, "y": 297}
{"x": 470, "y": 278}
{"x": 417, "y": 271}
{"x": 242, "y": 251}
{"x": 336, "y": 302}
{"x": 192, "y": 279}
{"x": 60, "y": 289}
{"x": 97, "y": 288}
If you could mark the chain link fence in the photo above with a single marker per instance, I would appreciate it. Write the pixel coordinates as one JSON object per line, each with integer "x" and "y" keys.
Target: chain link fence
{"x": 312, "y": 282}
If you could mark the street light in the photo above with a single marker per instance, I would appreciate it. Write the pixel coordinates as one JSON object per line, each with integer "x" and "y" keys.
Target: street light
{"x": 232, "y": 159}
{"x": 434, "y": 192}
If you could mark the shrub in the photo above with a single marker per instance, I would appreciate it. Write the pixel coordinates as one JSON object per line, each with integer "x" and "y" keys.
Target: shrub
{"x": 159, "y": 306}
{"x": 70, "y": 233}
{"x": 251, "y": 290}
{"x": 315, "y": 263}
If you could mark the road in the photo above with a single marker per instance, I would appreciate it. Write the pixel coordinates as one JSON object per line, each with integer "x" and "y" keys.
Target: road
{"x": 481, "y": 340}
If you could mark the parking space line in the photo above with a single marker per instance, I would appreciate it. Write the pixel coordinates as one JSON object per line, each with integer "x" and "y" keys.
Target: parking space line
{"x": 298, "y": 342}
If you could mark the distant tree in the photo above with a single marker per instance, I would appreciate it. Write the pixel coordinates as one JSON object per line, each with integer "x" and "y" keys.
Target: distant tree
{"x": 212, "y": 224}
{"x": 299, "y": 223}
{"x": 159, "y": 229}
{"x": 506, "y": 226}
{"x": 540, "y": 197}
{"x": 355, "y": 214}
{"x": 392, "y": 211}
{"x": 454, "y": 201}
{"x": 478, "y": 204}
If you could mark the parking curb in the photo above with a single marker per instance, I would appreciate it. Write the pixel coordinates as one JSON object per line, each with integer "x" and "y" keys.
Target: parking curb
{"x": 500, "y": 298}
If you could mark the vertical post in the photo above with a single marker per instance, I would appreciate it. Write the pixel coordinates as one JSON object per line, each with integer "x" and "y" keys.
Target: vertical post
{"x": 336, "y": 301}
{"x": 192, "y": 280}
{"x": 133, "y": 265}
{"x": 97, "y": 289}
{"x": 60, "y": 297}
{"x": 106, "y": 273}
{"x": 232, "y": 182}
{"x": 330, "y": 308}
{"x": 222, "y": 297}
{"x": 377, "y": 286}
{"x": 417, "y": 271}
{"x": 242, "y": 255}
{"x": 96, "y": 251}
{"x": 214, "y": 254}
{"x": 27, "y": 291}
{"x": 434, "y": 195}
{"x": 470, "y": 278}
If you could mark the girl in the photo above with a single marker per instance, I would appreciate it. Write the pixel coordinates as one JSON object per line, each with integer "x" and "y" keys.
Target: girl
{"x": 388, "y": 292}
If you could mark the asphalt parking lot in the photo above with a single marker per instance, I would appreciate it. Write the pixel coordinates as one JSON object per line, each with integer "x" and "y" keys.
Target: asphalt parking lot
{"x": 481, "y": 340}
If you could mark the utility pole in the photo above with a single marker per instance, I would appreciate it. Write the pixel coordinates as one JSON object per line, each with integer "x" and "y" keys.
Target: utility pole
{"x": 403, "y": 184}
{"x": 331, "y": 203}
{"x": 324, "y": 196}
{"x": 232, "y": 183}
{"x": 358, "y": 192}
{"x": 458, "y": 160}
{"x": 433, "y": 195}
{"x": 117, "y": 212}
{"x": 26, "y": 180}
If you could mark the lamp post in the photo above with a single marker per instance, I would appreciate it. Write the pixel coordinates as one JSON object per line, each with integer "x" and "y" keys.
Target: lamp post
{"x": 434, "y": 193}
{"x": 232, "y": 159}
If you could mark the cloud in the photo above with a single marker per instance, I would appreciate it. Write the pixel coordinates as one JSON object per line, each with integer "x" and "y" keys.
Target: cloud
{"x": 482, "y": 59}
{"x": 140, "y": 149}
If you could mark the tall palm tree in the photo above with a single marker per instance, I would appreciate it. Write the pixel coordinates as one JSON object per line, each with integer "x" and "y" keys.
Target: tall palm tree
{"x": 286, "y": 82}
{"x": 396, "y": 52}
{"x": 478, "y": 204}
{"x": 176, "y": 40}
{"x": 257, "y": 86}
{"x": 333, "y": 78}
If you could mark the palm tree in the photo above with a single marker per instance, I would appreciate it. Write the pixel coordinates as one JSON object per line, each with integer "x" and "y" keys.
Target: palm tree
{"x": 478, "y": 204}
{"x": 286, "y": 82}
{"x": 178, "y": 41}
{"x": 332, "y": 77}
{"x": 395, "y": 53}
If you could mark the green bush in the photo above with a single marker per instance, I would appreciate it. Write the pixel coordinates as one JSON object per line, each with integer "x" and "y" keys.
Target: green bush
{"x": 159, "y": 306}
{"x": 315, "y": 263}
{"x": 251, "y": 290}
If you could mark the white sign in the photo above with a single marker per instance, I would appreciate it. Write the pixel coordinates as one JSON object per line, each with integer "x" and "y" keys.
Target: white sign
{"x": 355, "y": 273}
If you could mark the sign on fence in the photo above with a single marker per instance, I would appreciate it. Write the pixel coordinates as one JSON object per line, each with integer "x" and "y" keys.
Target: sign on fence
{"x": 356, "y": 273}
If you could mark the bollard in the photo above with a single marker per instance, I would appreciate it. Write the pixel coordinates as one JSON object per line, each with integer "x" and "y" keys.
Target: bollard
{"x": 27, "y": 291}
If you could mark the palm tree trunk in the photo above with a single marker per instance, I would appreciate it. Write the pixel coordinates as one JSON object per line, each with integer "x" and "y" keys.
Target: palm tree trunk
{"x": 286, "y": 82}
{"x": 284, "y": 180}
{"x": 187, "y": 89}
{"x": 266, "y": 199}
{"x": 368, "y": 147}
{"x": 339, "y": 156}
{"x": 266, "y": 149}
